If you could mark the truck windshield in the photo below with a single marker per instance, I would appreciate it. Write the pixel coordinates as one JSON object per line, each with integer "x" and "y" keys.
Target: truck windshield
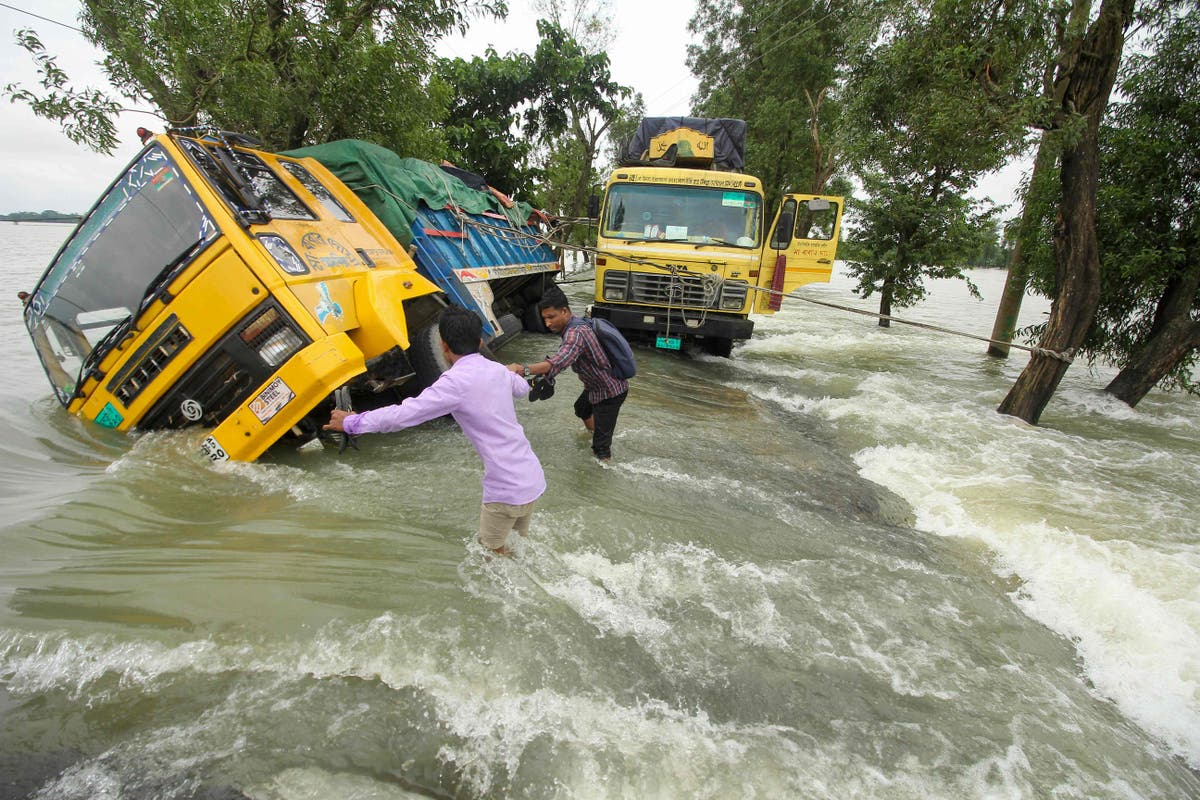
{"x": 146, "y": 228}
{"x": 700, "y": 215}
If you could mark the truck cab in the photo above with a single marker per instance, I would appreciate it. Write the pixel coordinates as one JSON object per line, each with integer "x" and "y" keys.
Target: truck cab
{"x": 220, "y": 286}
{"x": 685, "y": 250}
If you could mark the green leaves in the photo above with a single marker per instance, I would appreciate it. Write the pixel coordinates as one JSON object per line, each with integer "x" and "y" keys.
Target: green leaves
{"x": 931, "y": 106}
{"x": 291, "y": 73}
{"x": 517, "y": 118}
{"x": 86, "y": 116}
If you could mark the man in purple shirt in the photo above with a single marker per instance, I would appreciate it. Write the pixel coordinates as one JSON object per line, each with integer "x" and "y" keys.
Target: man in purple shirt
{"x": 479, "y": 394}
{"x": 603, "y": 393}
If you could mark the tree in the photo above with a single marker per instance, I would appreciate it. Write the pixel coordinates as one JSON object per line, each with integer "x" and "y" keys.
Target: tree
{"x": 1149, "y": 212}
{"x": 934, "y": 105}
{"x": 777, "y": 65}
{"x": 588, "y": 22}
{"x": 86, "y": 115}
{"x": 581, "y": 100}
{"x": 292, "y": 72}
{"x": 1045, "y": 165}
{"x": 1147, "y": 218}
{"x": 483, "y": 122}
{"x": 912, "y": 228}
{"x": 1087, "y": 70}
{"x": 561, "y": 100}
{"x": 995, "y": 249}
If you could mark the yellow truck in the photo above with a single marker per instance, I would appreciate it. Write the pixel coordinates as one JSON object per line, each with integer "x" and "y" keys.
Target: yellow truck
{"x": 220, "y": 286}
{"x": 684, "y": 255}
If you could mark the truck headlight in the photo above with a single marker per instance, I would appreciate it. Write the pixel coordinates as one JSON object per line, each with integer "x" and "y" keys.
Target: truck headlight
{"x": 283, "y": 254}
{"x": 278, "y": 347}
{"x": 270, "y": 335}
{"x": 733, "y": 296}
{"x": 616, "y": 286}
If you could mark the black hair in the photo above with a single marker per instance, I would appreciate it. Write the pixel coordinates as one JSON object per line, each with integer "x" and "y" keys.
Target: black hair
{"x": 553, "y": 298}
{"x": 460, "y": 330}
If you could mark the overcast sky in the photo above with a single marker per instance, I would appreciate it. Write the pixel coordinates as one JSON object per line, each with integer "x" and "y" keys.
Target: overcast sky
{"x": 41, "y": 169}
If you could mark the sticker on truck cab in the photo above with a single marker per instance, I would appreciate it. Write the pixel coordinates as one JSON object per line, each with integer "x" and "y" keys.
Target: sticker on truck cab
{"x": 213, "y": 450}
{"x": 271, "y": 400}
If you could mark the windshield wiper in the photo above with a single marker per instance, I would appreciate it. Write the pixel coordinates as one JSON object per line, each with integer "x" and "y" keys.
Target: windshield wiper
{"x": 157, "y": 288}
{"x": 255, "y": 211}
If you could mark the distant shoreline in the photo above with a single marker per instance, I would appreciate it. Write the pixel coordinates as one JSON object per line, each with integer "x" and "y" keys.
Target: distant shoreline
{"x": 63, "y": 221}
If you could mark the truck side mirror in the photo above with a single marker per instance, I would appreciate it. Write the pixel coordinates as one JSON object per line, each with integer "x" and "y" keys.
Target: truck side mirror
{"x": 593, "y": 206}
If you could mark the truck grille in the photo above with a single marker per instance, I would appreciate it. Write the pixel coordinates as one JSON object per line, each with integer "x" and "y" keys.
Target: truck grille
{"x": 221, "y": 381}
{"x": 149, "y": 361}
{"x": 221, "y": 386}
{"x": 665, "y": 289}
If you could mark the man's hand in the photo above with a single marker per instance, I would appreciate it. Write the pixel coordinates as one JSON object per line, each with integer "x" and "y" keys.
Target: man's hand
{"x": 335, "y": 420}
{"x": 519, "y": 369}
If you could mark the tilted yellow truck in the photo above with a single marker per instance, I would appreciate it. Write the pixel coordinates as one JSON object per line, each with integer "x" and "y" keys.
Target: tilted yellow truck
{"x": 218, "y": 286}
{"x": 684, "y": 255}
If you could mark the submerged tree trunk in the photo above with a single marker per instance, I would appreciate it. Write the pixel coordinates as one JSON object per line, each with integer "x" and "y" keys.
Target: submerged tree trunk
{"x": 1084, "y": 81}
{"x": 885, "y": 302}
{"x": 1005, "y": 326}
{"x": 1173, "y": 335}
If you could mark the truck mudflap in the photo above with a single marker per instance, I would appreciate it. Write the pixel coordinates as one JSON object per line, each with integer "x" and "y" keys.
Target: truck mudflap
{"x": 307, "y": 379}
{"x": 686, "y": 325}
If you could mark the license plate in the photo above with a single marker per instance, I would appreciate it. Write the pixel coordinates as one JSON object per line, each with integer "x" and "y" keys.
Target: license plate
{"x": 214, "y": 451}
{"x": 667, "y": 343}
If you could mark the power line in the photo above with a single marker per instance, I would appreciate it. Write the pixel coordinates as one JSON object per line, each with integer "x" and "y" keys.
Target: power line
{"x": 39, "y": 16}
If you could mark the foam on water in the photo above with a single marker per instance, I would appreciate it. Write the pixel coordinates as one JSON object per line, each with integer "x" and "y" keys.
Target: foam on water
{"x": 599, "y": 747}
{"x": 313, "y": 783}
{"x": 1077, "y": 540}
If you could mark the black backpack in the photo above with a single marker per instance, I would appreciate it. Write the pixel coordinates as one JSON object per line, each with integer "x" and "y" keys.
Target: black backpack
{"x": 620, "y": 355}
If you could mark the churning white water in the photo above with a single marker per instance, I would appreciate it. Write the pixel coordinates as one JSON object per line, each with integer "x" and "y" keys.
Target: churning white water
{"x": 824, "y": 568}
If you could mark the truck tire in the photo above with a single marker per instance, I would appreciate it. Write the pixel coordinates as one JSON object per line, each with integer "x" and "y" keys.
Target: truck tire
{"x": 425, "y": 355}
{"x": 718, "y": 345}
{"x": 531, "y": 319}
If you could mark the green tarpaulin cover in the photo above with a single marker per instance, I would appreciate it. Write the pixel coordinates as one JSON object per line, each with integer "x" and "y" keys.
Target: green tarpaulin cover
{"x": 394, "y": 187}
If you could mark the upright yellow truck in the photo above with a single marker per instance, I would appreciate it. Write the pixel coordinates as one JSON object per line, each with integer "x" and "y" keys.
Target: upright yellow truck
{"x": 683, "y": 256}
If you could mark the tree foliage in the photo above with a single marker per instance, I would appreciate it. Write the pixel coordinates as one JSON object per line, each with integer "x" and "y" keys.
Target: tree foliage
{"x": 1086, "y": 70}
{"x": 292, "y": 72}
{"x": 777, "y": 65}
{"x": 536, "y": 111}
{"x": 941, "y": 99}
{"x": 1147, "y": 218}
{"x": 86, "y": 115}
{"x": 483, "y": 124}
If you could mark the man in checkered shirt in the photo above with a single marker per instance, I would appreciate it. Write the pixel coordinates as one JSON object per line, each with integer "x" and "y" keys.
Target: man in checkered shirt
{"x": 603, "y": 393}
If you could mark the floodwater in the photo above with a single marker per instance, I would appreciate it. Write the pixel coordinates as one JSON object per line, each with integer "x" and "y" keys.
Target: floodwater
{"x": 824, "y": 568}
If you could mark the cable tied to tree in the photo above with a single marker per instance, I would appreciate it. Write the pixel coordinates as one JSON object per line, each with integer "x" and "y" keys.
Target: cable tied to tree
{"x": 1066, "y": 356}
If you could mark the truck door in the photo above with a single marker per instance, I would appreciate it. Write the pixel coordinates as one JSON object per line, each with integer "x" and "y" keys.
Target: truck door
{"x": 801, "y": 248}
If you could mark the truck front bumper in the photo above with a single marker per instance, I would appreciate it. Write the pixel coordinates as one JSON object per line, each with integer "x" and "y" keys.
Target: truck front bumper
{"x": 693, "y": 324}
{"x": 303, "y": 381}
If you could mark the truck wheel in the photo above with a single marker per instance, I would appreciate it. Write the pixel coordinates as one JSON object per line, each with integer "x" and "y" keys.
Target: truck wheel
{"x": 718, "y": 346}
{"x": 531, "y": 319}
{"x": 425, "y": 355}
